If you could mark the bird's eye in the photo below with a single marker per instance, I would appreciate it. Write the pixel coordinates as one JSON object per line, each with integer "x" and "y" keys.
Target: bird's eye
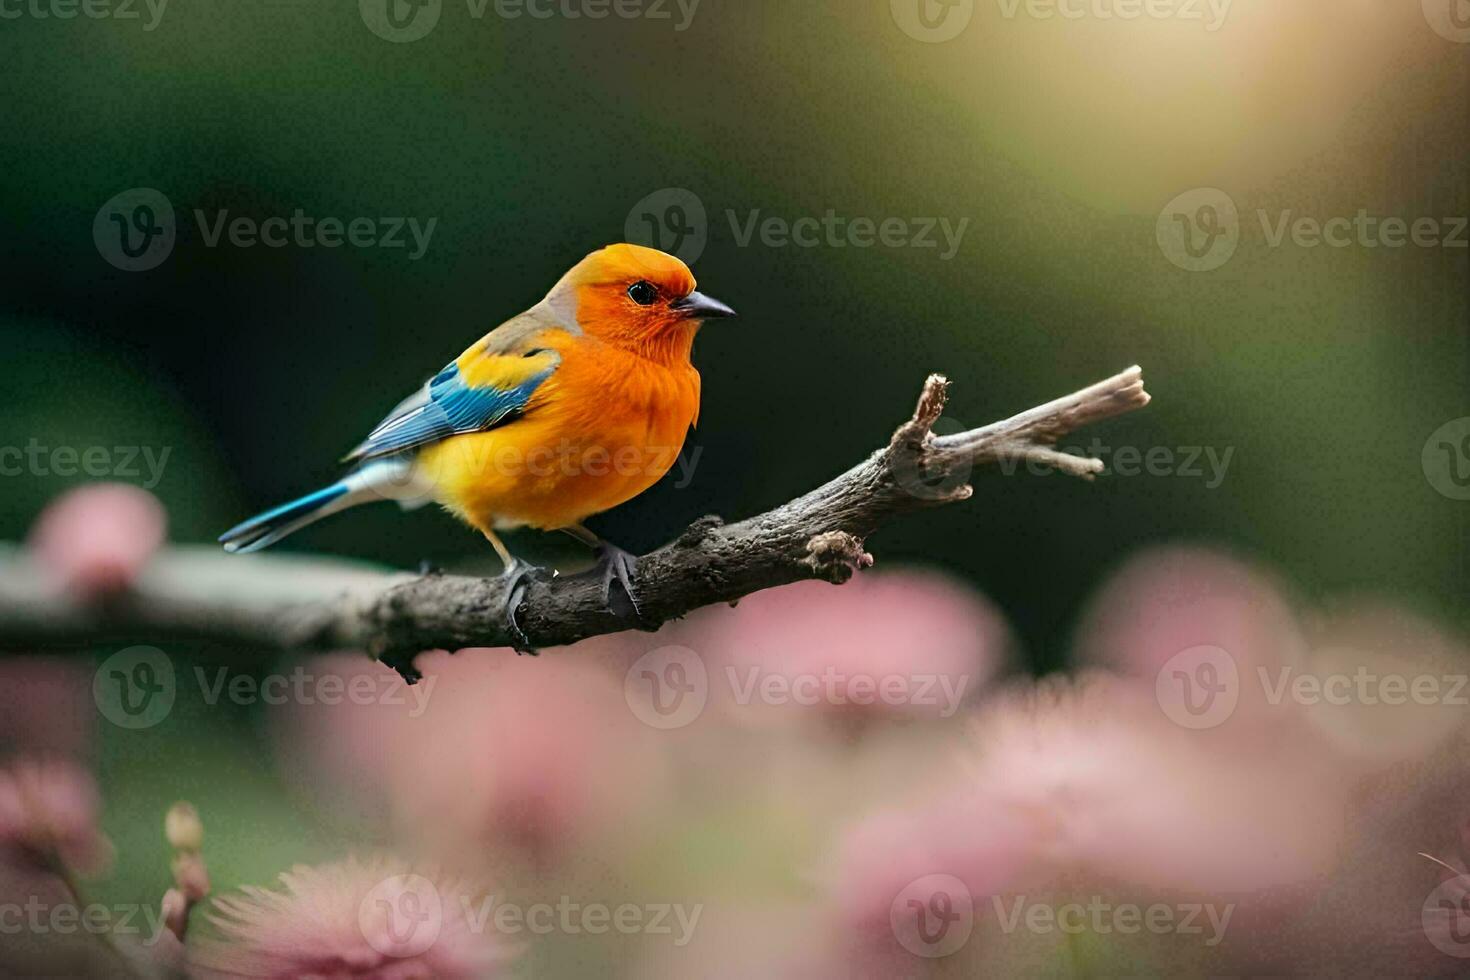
{"x": 643, "y": 292}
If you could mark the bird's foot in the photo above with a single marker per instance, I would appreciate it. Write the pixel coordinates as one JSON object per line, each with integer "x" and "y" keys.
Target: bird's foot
{"x": 617, "y": 565}
{"x": 516, "y": 576}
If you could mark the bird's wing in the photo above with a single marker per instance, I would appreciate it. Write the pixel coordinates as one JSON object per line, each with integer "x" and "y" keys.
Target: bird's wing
{"x": 488, "y": 385}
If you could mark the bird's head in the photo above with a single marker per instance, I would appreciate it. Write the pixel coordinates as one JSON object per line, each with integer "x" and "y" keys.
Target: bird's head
{"x": 635, "y": 297}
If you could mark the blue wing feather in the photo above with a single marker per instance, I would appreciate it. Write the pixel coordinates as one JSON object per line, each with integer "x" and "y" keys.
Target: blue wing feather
{"x": 444, "y": 407}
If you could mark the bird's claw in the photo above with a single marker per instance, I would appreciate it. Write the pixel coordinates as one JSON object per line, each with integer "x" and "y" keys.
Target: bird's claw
{"x": 617, "y": 565}
{"x": 515, "y": 576}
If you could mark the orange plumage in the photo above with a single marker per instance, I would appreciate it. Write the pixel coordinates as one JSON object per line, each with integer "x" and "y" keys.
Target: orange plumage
{"x": 604, "y": 427}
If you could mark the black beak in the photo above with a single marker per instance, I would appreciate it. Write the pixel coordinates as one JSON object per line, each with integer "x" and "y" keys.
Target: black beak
{"x": 698, "y": 306}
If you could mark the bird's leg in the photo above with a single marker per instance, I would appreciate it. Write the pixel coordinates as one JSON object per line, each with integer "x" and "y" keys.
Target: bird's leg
{"x": 515, "y": 575}
{"x": 613, "y": 563}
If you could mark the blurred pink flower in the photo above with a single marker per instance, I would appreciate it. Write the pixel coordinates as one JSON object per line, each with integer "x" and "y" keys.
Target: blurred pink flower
{"x": 902, "y": 644}
{"x": 48, "y": 816}
{"x": 381, "y": 918}
{"x": 174, "y": 909}
{"x": 1386, "y": 685}
{"x": 881, "y": 856}
{"x": 1168, "y": 601}
{"x": 164, "y": 953}
{"x": 1385, "y": 910}
{"x": 343, "y": 755}
{"x": 97, "y": 538}
{"x": 535, "y": 753}
{"x": 1082, "y": 784}
{"x": 540, "y": 753}
{"x": 736, "y": 938}
{"x": 46, "y": 705}
{"x": 1111, "y": 789}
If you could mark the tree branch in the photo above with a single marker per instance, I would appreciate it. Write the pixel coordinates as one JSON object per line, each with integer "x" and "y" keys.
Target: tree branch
{"x": 284, "y": 602}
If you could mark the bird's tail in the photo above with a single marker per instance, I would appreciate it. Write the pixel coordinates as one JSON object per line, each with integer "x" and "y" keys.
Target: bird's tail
{"x": 386, "y": 479}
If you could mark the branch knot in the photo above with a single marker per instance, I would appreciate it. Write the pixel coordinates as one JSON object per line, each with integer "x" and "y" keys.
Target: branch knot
{"x": 835, "y": 556}
{"x": 700, "y": 530}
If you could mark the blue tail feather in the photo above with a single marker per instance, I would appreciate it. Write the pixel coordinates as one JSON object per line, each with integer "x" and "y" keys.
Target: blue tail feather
{"x": 273, "y": 525}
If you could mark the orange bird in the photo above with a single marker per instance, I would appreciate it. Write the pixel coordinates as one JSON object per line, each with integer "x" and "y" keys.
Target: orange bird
{"x": 564, "y": 411}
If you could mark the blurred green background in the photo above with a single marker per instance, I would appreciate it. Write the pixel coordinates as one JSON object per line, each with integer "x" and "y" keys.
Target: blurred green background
{"x": 1324, "y": 370}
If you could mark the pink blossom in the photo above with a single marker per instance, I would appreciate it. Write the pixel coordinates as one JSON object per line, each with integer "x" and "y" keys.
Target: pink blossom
{"x": 1110, "y": 788}
{"x": 537, "y": 754}
{"x": 343, "y": 755}
{"x": 879, "y": 857}
{"x": 1167, "y": 599}
{"x": 174, "y": 910}
{"x": 48, "y": 814}
{"x": 903, "y": 644}
{"x": 1167, "y": 602}
{"x": 1082, "y": 782}
{"x": 381, "y": 918}
{"x": 737, "y": 938}
{"x": 96, "y": 539}
{"x": 46, "y": 705}
{"x": 1385, "y": 685}
{"x": 191, "y": 876}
